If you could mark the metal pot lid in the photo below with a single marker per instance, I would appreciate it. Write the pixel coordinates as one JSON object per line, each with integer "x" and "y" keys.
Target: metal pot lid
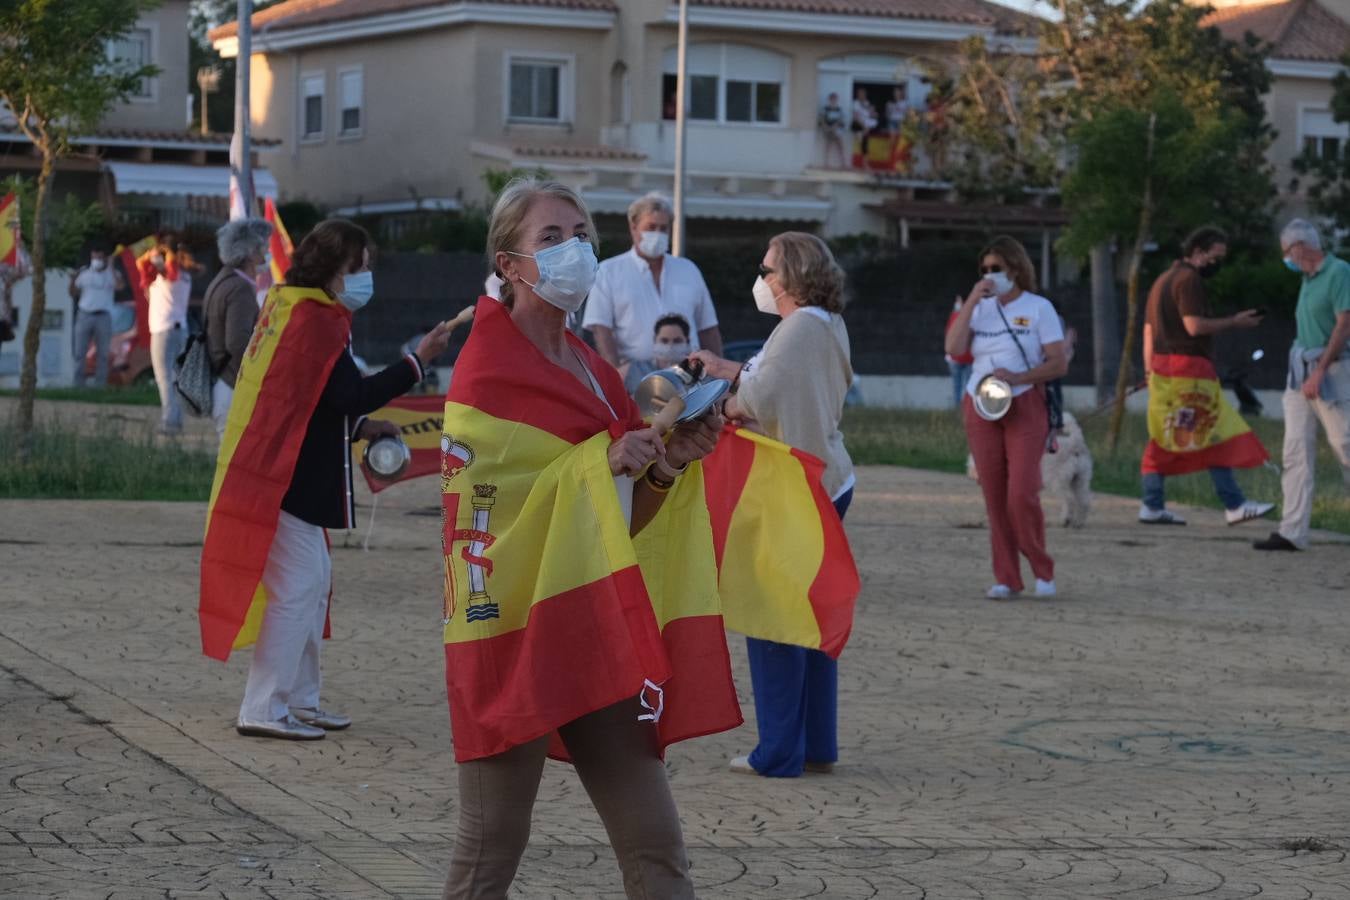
{"x": 387, "y": 457}
{"x": 993, "y": 398}
{"x": 701, "y": 397}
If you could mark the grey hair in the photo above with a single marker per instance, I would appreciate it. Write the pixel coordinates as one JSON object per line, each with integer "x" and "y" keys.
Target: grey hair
{"x": 1301, "y": 231}
{"x": 240, "y": 239}
{"x": 649, "y": 203}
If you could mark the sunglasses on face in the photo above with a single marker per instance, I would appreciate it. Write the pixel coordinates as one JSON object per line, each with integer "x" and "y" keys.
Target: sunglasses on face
{"x": 764, "y": 271}
{"x": 990, "y": 270}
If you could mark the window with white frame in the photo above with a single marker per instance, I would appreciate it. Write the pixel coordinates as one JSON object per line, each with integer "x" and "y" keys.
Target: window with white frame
{"x": 1321, "y": 135}
{"x": 729, "y": 83}
{"x": 350, "y": 87}
{"x": 311, "y": 107}
{"x": 538, "y": 89}
{"x": 132, "y": 51}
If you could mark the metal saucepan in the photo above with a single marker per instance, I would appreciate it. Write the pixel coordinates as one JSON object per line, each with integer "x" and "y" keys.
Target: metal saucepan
{"x": 993, "y": 398}
{"x": 387, "y": 457}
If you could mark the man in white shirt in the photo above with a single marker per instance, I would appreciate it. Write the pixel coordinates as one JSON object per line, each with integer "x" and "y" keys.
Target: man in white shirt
{"x": 632, "y": 291}
{"x": 94, "y": 285}
{"x": 168, "y": 288}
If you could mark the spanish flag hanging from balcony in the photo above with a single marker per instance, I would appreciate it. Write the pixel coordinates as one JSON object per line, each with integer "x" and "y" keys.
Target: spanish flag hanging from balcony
{"x": 786, "y": 571}
{"x": 1191, "y": 427}
{"x": 9, "y": 230}
{"x": 551, "y": 611}
{"x": 298, "y": 338}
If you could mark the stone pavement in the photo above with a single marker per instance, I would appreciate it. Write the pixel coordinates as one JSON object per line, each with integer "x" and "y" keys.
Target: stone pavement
{"x": 1175, "y": 725}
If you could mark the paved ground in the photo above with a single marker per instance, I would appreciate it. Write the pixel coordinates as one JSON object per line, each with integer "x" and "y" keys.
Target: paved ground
{"x": 1175, "y": 725}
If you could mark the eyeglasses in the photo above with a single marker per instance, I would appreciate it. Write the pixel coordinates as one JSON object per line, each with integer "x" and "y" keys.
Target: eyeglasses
{"x": 989, "y": 270}
{"x": 764, "y": 270}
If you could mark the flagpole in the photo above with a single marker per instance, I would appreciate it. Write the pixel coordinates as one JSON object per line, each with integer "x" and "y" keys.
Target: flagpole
{"x": 681, "y": 108}
{"x": 241, "y": 150}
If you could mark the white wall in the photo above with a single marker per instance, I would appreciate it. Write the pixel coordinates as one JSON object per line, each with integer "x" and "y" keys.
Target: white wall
{"x": 56, "y": 366}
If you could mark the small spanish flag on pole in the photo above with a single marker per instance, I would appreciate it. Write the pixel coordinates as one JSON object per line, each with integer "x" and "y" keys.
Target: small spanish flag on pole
{"x": 1191, "y": 427}
{"x": 9, "y": 230}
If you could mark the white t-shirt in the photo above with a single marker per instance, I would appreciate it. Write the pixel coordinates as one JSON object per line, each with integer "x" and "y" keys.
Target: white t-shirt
{"x": 627, "y": 300}
{"x": 168, "y": 302}
{"x": 1031, "y": 317}
{"x": 96, "y": 289}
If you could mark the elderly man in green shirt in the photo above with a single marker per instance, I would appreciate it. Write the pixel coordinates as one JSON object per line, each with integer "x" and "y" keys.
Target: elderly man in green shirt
{"x": 1318, "y": 387}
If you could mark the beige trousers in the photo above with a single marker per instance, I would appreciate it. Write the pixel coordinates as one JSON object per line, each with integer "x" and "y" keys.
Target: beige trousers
{"x": 615, "y": 757}
{"x": 1301, "y": 416}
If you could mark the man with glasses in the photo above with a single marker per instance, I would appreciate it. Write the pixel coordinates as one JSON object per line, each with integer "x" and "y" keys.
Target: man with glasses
{"x": 1318, "y": 385}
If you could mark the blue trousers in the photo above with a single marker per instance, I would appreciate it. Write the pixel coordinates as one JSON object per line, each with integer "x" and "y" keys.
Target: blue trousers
{"x": 1225, "y": 485}
{"x": 796, "y": 701}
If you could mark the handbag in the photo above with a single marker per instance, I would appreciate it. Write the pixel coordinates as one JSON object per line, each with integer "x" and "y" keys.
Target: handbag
{"x": 1054, "y": 400}
{"x": 193, "y": 379}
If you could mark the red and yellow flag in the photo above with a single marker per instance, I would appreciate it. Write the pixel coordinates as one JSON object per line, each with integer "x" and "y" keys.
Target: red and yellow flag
{"x": 1191, "y": 427}
{"x": 298, "y": 338}
{"x": 551, "y": 610}
{"x": 786, "y": 572}
{"x": 128, "y": 256}
{"x": 279, "y": 246}
{"x": 421, "y": 419}
{"x": 9, "y": 230}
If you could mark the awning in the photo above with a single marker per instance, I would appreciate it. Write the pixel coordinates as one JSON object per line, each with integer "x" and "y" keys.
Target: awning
{"x": 185, "y": 180}
{"x": 751, "y": 207}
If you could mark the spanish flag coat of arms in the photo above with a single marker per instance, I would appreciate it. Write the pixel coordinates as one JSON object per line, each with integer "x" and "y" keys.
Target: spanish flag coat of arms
{"x": 1191, "y": 427}
{"x": 551, "y": 610}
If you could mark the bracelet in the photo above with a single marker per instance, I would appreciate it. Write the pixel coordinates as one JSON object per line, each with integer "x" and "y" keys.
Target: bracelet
{"x": 658, "y": 485}
{"x": 667, "y": 473}
{"x": 736, "y": 382}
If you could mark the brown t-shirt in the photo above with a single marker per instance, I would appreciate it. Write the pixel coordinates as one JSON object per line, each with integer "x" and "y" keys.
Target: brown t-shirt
{"x": 1180, "y": 291}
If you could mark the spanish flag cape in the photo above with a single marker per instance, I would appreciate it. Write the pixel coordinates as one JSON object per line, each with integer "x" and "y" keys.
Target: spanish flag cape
{"x": 551, "y": 610}
{"x": 1190, "y": 425}
{"x": 298, "y": 338}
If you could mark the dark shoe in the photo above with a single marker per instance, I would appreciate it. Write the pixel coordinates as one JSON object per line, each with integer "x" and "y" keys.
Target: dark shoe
{"x": 820, "y": 768}
{"x": 287, "y": 729}
{"x": 1276, "y": 541}
{"x": 322, "y": 718}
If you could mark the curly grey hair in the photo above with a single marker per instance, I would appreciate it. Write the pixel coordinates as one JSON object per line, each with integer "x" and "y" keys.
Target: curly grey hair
{"x": 1301, "y": 231}
{"x": 649, "y": 203}
{"x": 241, "y": 239}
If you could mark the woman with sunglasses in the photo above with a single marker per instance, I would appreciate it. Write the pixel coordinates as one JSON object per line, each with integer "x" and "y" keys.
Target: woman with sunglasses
{"x": 1015, "y": 335}
{"x": 793, "y": 391}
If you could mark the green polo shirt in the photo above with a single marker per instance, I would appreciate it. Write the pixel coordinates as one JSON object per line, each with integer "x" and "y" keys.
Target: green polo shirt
{"x": 1321, "y": 299}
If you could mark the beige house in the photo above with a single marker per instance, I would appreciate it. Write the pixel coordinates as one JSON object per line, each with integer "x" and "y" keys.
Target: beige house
{"x": 384, "y": 106}
{"x": 142, "y": 161}
{"x": 1308, "y": 38}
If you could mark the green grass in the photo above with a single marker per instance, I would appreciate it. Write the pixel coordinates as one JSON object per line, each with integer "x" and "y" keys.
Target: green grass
{"x": 104, "y": 464}
{"x": 936, "y": 440}
{"x": 133, "y": 395}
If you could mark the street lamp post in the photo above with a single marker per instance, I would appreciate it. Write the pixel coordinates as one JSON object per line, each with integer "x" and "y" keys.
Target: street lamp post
{"x": 681, "y": 110}
{"x": 208, "y": 82}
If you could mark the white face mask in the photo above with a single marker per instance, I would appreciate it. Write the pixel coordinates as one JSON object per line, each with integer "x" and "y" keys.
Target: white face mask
{"x": 357, "y": 290}
{"x": 566, "y": 273}
{"x": 765, "y": 300}
{"x": 653, "y": 244}
{"x": 98, "y": 265}
{"x": 669, "y": 354}
{"x": 1001, "y": 282}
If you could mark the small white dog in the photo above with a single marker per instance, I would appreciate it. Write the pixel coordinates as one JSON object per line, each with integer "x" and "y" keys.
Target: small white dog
{"x": 1067, "y": 473}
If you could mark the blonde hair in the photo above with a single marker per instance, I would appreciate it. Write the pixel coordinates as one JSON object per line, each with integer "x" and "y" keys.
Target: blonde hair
{"x": 655, "y": 201}
{"x": 1014, "y": 256}
{"x": 507, "y": 222}
{"x": 806, "y": 269}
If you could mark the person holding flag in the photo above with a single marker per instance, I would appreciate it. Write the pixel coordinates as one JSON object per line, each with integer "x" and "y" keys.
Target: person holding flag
{"x": 284, "y": 476}
{"x": 1190, "y": 425}
{"x": 581, "y": 615}
{"x": 794, "y": 391}
{"x": 231, "y": 307}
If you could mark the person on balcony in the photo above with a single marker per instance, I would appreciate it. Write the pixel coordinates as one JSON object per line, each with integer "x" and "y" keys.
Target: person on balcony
{"x": 635, "y": 289}
{"x": 864, "y": 123}
{"x": 832, "y": 126}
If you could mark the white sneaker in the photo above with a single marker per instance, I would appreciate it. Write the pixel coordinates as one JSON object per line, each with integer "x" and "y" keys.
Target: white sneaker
{"x": 1000, "y": 592}
{"x": 1045, "y": 588}
{"x": 741, "y": 766}
{"x": 1247, "y": 511}
{"x": 1159, "y": 517}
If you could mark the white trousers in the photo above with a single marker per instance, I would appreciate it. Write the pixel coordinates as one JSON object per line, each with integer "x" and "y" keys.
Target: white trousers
{"x": 285, "y": 669}
{"x": 1301, "y": 416}
{"x": 222, "y": 395}
{"x": 164, "y": 349}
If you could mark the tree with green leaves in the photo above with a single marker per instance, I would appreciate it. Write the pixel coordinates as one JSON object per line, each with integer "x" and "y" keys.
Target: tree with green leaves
{"x": 1329, "y": 174}
{"x": 57, "y": 81}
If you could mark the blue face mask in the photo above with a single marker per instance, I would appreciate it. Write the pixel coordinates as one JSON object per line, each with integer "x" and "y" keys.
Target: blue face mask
{"x": 357, "y": 289}
{"x": 1292, "y": 266}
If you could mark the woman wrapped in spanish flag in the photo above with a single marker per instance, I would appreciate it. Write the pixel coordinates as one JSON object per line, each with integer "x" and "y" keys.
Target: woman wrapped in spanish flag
{"x": 580, "y": 620}
{"x": 284, "y": 475}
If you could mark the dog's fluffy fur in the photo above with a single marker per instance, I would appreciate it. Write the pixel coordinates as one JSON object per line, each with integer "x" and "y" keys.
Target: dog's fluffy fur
{"x": 1067, "y": 473}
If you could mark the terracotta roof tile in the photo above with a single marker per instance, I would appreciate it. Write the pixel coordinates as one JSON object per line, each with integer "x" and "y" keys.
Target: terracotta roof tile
{"x": 150, "y": 136}
{"x": 972, "y": 12}
{"x": 301, "y": 13}
{"x": 1297, "y": 29}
